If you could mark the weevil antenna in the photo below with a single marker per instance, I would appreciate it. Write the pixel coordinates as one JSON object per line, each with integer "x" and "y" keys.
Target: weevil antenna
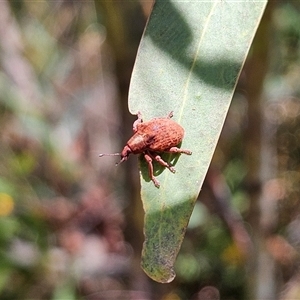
{"x": 123, "y": 159}
{"x": 114, "y": 154}
{"x": 109, "y": 154}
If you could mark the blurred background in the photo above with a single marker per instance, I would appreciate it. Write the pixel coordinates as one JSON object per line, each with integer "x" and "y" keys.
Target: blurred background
{"x": 71, "y": 224}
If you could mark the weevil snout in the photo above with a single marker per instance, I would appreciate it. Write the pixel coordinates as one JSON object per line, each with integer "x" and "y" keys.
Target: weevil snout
{"x": 124, "y": 154}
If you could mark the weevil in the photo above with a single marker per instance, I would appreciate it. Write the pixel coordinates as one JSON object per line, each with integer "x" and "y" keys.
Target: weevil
{"x": 151, "y": 138}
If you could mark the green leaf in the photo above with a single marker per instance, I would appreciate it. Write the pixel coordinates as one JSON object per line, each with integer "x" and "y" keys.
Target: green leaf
{"x": 188, "y": 62}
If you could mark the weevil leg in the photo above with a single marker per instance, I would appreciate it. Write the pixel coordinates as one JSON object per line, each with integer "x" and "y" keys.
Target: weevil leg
{"x": 150, "y": 168}
{"x": 137, "y": 122}
{"x": 178, "y": 150}
{"x": 170, "y": 115}
{"x": 162, "y": 162}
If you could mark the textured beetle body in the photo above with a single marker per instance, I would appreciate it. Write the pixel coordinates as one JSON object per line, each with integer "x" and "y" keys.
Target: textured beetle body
{"x": 153, "y": 137}
{"x": 157, "y": 135}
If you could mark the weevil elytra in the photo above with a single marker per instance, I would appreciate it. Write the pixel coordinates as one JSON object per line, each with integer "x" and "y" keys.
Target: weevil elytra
{"x": 151, "y": 138}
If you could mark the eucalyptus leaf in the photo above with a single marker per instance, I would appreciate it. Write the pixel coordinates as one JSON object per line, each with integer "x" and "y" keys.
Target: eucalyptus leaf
{"x": 189, "y": 60}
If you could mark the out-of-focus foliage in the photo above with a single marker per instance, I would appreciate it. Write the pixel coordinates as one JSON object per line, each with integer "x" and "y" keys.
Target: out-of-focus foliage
{"x": 60, "y": 222}
{"x": 63, "y": 219}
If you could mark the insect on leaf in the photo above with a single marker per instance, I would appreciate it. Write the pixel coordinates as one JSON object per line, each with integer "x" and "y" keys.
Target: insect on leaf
{"x": 189, "y": 60}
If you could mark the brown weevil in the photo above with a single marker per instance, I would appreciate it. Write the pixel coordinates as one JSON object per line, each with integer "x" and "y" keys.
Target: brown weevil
{"x": 151, "y": 138}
